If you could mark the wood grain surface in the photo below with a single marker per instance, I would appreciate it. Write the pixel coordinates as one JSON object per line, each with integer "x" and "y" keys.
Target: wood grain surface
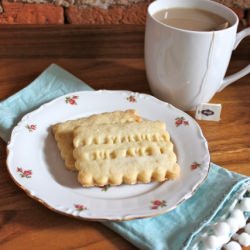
{"x": 109, "y": 57}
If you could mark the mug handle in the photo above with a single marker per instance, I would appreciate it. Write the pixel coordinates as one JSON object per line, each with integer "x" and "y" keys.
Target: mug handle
{"x": 234, "y": 77}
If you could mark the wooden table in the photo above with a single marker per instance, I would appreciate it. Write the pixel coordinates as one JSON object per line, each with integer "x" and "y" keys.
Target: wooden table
{"x": 109, "y": 57}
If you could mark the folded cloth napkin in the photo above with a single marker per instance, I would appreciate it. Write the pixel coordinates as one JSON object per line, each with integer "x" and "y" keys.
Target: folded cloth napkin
{"x": 52, "y": 83}
{"x": 186, "y": 226}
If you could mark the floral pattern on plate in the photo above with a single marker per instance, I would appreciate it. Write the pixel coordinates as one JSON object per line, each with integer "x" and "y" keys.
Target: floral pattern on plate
{"x": 122, "y": 202}
{"x": 181, "y": 121}
{"x": 158, "y": 204}
{"x": 131, "y": 99}
{"x": 195, "y": 165}
{"x": 31, "y": 127}
{"x": 80, "y": 207}
{"x": 106, "y": 188}
{"x": 24, "y": 173}
{"x": 72, "y": 100}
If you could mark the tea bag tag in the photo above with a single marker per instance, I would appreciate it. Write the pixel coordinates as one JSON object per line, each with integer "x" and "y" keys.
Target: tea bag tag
{"x": 208, "y": 112}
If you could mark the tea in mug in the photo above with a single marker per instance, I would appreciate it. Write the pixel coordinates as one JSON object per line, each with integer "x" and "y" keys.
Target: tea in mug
{"x": 192, "y": 19}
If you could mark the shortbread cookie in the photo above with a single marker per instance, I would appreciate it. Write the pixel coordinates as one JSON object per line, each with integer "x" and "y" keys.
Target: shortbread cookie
{"x": 113, "y": 151}
{"x": 63, "y": 132}
{"x": 124, "y": 153}
{"x": 128, "y": 170}
{"x": 120, "y": 133}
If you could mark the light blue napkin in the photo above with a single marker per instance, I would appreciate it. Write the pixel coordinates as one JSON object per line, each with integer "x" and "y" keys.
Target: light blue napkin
{"x": 178, "y": 229}
{"x": 52, "y": 83}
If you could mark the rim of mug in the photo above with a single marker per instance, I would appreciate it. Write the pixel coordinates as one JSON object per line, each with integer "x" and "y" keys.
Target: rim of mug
{"x": 232, "y": 25}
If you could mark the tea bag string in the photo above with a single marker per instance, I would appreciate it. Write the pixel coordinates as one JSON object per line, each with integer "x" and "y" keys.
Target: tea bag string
{"x": 221, "y": 26}
{"x": 166, "y": 15}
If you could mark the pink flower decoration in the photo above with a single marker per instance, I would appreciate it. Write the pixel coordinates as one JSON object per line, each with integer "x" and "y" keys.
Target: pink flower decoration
{"x": 80, "y": 207}
{"x": 131, "y": 99}
{"x": 195, "y": 165}
{"x": 158, "y": 203}
{"x": 31, "y": 127}
{"x": 105, "y": 187}
{"x": 24, "y": 173}
{"x": 71, "y": 100}
{"x": 181, "y": 121}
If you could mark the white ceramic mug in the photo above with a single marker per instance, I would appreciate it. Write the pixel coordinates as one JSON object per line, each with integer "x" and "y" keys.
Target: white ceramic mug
{"x": 186, "y": 68}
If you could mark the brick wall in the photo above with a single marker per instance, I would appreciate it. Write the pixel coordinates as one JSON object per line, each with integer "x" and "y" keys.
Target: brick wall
{"x": 87, "y": 12}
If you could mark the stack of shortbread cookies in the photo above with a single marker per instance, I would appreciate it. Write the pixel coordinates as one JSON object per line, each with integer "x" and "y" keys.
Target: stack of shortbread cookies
{"x": 115, "y": 148}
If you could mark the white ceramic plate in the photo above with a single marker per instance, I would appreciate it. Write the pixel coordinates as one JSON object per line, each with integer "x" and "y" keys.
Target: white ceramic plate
{"x": 35, "y": 164}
